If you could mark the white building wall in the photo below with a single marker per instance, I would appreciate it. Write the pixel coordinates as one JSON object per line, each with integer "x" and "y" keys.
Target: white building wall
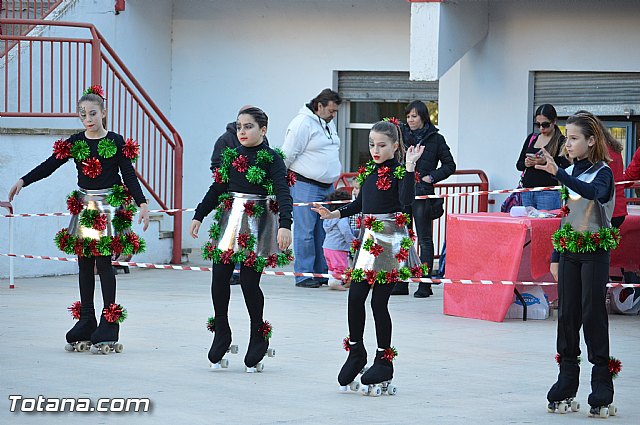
{"x": 493, "y": 93}
{"x": 275, "y": 55}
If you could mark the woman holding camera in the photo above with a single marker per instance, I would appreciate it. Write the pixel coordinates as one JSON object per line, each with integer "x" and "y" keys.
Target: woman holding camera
{"x": 550, "y": 138}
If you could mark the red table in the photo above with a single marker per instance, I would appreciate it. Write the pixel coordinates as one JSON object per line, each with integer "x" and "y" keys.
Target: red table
{"x": 496, "y": 246}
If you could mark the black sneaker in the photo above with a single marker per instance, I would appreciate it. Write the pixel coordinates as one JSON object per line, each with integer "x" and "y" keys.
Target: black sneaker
{"x": 424, "y": 290}
{"x": 308, "y": 283}
{"x": 321, "y": 280}
{"x": 235, "y": 279}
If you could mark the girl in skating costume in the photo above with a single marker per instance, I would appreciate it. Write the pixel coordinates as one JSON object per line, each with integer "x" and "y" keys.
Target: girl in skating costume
{"x": 384, "y": 251}
{"x": 102, "y": 212}
{"x": 250, "y": 227}
{"x": 580, "y": 264}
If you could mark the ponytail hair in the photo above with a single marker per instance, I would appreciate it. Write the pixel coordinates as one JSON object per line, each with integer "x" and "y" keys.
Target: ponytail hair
{"x": 390, "y": 127}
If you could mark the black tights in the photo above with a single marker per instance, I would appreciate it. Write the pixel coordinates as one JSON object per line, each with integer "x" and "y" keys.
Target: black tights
{"x": 250, "y": 283}
{"x": 582, "y": 288}
{"x": 424, "y": 228}
{"x": 358, "y": 293}
{"x": 87, "y": 280}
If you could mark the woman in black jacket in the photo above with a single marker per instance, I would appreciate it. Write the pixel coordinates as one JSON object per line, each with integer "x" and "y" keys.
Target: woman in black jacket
{"x": 419, "y": 131}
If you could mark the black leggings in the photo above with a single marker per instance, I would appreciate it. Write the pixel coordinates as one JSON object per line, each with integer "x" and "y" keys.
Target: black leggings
{"x": 582, "y": 288}
{"x": 421, "y": 210}
{"x": 358, "y": 293}
{"x": 250, "y": 283}
{"x": 87, "y": 280}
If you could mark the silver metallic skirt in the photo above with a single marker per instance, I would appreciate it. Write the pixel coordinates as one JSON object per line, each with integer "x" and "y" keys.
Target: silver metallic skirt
{"x": 389, "y": 239}
{"x": 262, "y": 223}
{"x": 93, "y": 200}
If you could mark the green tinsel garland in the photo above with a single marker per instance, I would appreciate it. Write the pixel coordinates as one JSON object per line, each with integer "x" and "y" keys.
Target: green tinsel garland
{"x": 80, "y": 150}
{"x": 106, "y": 148}
{"x": 566, "y": 239}
{"x": 564, "y": 193}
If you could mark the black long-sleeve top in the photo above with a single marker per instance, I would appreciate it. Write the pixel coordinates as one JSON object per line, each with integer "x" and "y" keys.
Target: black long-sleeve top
{"x": 600, "y": 188}
{"x": 275, "y": 170}
{"x": 111, "y": 168}
{"x": 532, "y": 176}
{"x": 372, "y": 200}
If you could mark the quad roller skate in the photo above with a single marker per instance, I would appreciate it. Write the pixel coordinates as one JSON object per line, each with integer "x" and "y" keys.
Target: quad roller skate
{"x": 354, "y": 366}
{"x": 601, "y": 395}
{"x": 105, "y": 337}
{"x": 221, "y": 344}
{"x": 377, "y": 379}
{"x": 258, "y": 347}
{"x": 79, "y": 337}
{"x": 562, "y": 394}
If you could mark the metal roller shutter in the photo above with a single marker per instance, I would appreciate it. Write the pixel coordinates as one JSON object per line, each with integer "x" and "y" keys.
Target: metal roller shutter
{"x": 384, "y": 87}
{"x": 602, "y": 93}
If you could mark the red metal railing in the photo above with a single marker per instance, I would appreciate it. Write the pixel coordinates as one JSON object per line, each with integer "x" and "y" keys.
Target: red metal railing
{"x": 21, "y": 9}
{"x": 456, "y": 204}
{"x": 45, "y": 76}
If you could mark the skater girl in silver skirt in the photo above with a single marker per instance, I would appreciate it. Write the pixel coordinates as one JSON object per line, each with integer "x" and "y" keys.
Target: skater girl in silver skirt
{"x": 251, "y": 226}
{"x": 384, "y": 252}
{"x": 102, "y": 210}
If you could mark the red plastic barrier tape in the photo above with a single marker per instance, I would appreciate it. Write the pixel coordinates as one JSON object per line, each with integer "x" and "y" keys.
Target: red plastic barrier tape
{"x": 323, "y": 275}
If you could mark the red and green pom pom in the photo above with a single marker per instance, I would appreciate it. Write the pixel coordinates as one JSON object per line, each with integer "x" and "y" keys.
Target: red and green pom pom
{"x": 392, "y": 120}
{"x": 73, "y": 203}
{"x": 615, "y": 366}
{"x": 402, "y": 255}
{"x": 365, "y": 171}
{"x": 285, "y": 257}
{"x": 345, "y": 343}
{"x": 417, "y": 176}
{"x": 94, "y": 89}
{"x": 355, "y": 245}
{"x": 370, "y": 222}
{"x": 376, "y": 249}
{"x": 255, "y": 175}
{"x": 62, "y": 149}
{"x": 291, "y": 178}
{"x": 390, "y": 354}
{"x": 274, "y": 207}
{"x": 402, "y": 219}
{"x": 103, "y": 246}
{"x": 211, "y": 324}
{"x": 411, "y": 234}
{"x": 383, "y": 183}
{"x": 74, "y": 309}
{"x": 106, "y": 148}
{"x": 406, "y": 243}
{"x": 226, "y": 257}
{"x": 399, "y": 172}
{"x": 100, "y": 222}
{"x": 241, "y": 163}
{"x": 383, "y": 171}
{"x": 357, "y": 275}
{"x": 280, "y": 153}
{"x": 88, "y": 218}
{"x": 370, "y": 276}
{"x": 80, "y": 150}
{"x": 404, "y": 273}
{"x": 123, "y": 218}
{"x": 253, "y": 209}
{"x": 131, "y": 149}
{"x": 564, "y": 193}
{"x": 115, "y": 313}
{"x": 91, "y": 168}
{"x": 263, "y": 157}
{"x": 119, "y": 195}
{"x": 246, "y": 241}
{"x": 217, "y": 176}
{"x": 266, "y": 330}
{"x": 392, "y": 276}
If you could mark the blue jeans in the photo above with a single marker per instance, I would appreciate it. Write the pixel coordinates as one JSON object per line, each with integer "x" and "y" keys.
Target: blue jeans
{"x": 545, "y": 200}
{"x": 308, "y": 234}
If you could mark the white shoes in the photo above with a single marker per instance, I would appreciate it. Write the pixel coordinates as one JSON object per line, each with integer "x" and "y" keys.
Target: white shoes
{"x": 336, "y": 284}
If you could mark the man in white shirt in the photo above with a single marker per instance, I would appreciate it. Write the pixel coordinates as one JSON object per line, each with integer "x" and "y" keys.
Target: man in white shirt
{"x": 312, "y": 149}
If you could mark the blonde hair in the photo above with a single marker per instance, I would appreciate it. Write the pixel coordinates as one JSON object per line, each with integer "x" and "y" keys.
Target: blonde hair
{"x": 591, "y": 126}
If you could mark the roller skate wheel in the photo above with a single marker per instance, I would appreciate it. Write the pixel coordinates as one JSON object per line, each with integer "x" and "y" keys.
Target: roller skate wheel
{"x": 271, "y": 352}
{"x": 118, "y": 348}
{"x": 604, "y": 412}
{"x": 233, "y": 349}
{"x": 575, "y": 406}
{"x": 562, "y": 407}
{"x": 250, "y": 369}
{"x": 68, "y": 347}
{"x": 259, "y": 367}
{"x": 354, "y": 386}
{"x": 392, "y": 389}
{"x": 105, "y": 349}
{"x": 613, "y": 410}
{"x": 82, "y": 346}
{"x": 551, "y": 407}
{"x": 224, "y": 363}
{"x": 94, "y": 349}
{"x": 377, "y": 391}
{"x": 364, "y": 389}
{"x": 343, "y": 388}
{"x": 215, "y": 365}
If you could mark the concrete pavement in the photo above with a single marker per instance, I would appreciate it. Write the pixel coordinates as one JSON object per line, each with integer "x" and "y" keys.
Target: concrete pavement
{"x": 449, "y": 370}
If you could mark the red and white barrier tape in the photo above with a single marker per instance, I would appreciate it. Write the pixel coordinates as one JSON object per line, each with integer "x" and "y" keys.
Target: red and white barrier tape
{"x": 301, "y": 204}
{"x": 322, "y": 275}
